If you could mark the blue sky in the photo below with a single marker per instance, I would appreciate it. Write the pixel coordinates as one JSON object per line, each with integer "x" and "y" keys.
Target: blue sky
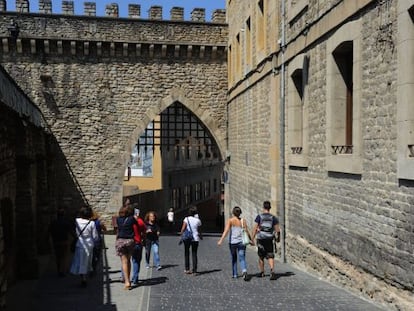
{"x": 188, "y": 5}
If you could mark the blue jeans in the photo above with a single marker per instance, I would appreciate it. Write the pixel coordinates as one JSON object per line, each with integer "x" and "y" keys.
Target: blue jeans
{"x": 240, "y": 250}
{"x": 152, "y": 246}
{"x": 136, "y": 262}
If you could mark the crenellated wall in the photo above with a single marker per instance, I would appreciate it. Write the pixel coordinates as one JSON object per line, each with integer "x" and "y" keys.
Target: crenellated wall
{"x": 112, "y": 10}
{"x": 99, "y": 81}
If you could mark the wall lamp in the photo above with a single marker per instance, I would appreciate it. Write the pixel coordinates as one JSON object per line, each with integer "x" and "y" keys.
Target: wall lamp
{"x": 13, "y": 29}
{"x": 227, "y": 158}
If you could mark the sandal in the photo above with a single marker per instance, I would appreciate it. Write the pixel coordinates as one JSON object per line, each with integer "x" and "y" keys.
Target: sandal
{"x": 128, "y": 287}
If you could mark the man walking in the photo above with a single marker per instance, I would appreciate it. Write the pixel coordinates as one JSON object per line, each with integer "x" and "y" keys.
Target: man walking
{"x": 266, "y": 226}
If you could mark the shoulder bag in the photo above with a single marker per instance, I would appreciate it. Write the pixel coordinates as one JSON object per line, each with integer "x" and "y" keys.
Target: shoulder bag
{"x": 245, "y": 235}
{"x": 187, "y": 234}
{"x": 73, "y": 245}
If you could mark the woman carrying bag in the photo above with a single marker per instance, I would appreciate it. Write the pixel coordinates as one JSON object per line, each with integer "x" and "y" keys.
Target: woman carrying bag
{"x": 87, "y": 236}
{"x": 237, "y": 227}
{"x": 191, "y": 224}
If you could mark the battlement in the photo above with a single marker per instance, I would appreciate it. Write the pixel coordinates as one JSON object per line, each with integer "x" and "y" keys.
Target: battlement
{"x": 112, "y": 10}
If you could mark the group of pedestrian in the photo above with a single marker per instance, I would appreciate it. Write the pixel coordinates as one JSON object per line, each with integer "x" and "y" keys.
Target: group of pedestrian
{"x": 267, "y": 231}
{"x": 83, "y": 238}
{"x": 133, "y": 235}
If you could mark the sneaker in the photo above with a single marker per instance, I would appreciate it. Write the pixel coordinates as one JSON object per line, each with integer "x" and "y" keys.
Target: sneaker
{"x": 234, "y": 276}
{"x": 273, "y": 276}
{"x": 159, "y": 268}
{"x": 245, "y": 276}
{"x": 147, "y": 266}
{"x": 187, "y": 271}
{"x": 261, "y": 274}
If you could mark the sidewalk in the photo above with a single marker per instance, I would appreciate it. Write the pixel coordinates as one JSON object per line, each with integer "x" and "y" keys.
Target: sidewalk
{"x": 171, "y": 289}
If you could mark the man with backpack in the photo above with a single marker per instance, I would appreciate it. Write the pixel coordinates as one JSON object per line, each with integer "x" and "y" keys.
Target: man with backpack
{"x": 266, "y": 228}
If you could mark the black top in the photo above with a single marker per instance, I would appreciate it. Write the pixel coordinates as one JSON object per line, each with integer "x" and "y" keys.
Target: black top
{"x": 152, "y": 230}
{"x": 125, "y": 227}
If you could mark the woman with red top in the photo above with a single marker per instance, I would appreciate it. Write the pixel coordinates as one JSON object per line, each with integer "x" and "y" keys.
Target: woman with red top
{"x": 139, "y": 236}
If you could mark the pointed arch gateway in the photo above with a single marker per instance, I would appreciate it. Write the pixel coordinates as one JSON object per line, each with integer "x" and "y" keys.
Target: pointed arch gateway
{"x": 182, "y": 143}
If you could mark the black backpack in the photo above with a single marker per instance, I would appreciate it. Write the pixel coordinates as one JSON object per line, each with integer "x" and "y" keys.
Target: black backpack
{"x": 266, "y": 228}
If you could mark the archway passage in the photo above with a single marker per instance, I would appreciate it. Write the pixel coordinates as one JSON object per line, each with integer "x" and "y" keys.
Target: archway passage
{"x": 176, "y": 163}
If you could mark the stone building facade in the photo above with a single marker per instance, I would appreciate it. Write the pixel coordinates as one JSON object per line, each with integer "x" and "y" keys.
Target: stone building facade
{"x": 320, "y": 124}
{"x": 311, "y": 111}
{"x": 97, "y": 82}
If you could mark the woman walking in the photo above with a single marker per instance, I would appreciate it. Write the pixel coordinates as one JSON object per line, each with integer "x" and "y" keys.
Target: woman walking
{"x": 191, "y": 224}
{"x": 152, "y": 240}
{"x": 86, "y": 238}
{"x": 124, "y": 244}
{"x": 235, "y": 226}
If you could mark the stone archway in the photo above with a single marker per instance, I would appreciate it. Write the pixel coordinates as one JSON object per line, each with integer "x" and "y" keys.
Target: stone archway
{"x": 176, "y": 95}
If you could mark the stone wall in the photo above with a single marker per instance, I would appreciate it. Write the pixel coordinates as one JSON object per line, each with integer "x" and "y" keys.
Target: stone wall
{"x": 253, "y": 130}
{"x": 99, "y": 82}
{"x": 250, "y": 140}
{"x": 155, "y": 12}
{"x": 30, "y": 179}
{"x": 354, "y": 229}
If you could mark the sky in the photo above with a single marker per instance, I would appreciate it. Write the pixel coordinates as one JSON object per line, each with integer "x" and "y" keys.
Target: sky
{"x": 188, "y": 5}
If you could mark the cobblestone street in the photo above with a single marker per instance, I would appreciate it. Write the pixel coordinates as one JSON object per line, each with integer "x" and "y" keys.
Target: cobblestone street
{"x": 171, "y": 289}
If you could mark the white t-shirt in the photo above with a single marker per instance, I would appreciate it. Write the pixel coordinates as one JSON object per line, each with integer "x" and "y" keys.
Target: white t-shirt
{"x": 194, "y": 223}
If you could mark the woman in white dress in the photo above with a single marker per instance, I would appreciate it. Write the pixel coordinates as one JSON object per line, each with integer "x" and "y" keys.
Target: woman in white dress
{"x": 87, "y": 235}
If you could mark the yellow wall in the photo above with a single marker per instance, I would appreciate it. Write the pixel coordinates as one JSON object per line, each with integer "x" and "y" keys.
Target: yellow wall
{"x": 148, "y": 183}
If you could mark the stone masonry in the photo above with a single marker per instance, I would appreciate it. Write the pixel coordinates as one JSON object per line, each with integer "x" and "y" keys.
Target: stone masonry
{"x": 100, "y": 81}
{"x": 347, "y": 217}
{"x": 28, "y": 165}
{"x": 275, "y": 111}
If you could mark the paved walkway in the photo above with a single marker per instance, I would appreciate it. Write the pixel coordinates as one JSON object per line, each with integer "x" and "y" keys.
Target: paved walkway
{"x": 171, "y": 289}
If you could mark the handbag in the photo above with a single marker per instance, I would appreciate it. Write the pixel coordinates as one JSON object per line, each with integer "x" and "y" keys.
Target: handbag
{"x": 187, "y": 234}
{"x": 245, "y": 235}
{"x": 75, "y": 241}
